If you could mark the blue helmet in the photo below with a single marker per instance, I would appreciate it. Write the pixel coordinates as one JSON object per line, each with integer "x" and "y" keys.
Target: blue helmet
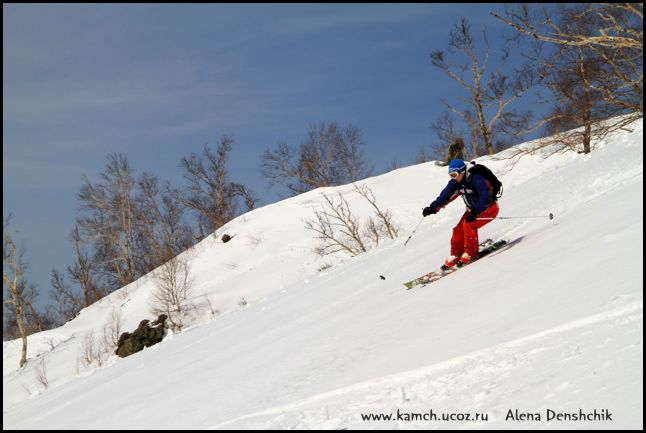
{"x": 457, "y": 166}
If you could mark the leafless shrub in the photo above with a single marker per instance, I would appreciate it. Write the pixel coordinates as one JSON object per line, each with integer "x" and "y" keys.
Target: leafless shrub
{"x": 96, "y": 351}
{"x": 172, "y": 295}
{"x": 90, "y": 350}
{"x": 384, "y": 225}
{"x": 339, "y": 230}
{"x": 371, "y": 231}
{"x": 41, "y": 373}
{"x": 113, "y": 329}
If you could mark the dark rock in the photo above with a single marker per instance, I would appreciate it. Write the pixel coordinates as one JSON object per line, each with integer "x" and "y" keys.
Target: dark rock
{"x": 145, "y": 335}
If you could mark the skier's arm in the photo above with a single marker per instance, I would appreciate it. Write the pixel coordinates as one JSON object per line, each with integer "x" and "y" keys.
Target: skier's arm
{"x": 448, "y": 194}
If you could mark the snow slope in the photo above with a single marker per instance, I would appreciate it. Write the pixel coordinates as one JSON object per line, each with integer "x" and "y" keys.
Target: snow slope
{"x": 554, "y": 321}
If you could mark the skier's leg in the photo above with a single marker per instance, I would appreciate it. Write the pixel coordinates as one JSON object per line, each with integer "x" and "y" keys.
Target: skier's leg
{"x": 471, "y": 230}
{"x": 457, "y": 242}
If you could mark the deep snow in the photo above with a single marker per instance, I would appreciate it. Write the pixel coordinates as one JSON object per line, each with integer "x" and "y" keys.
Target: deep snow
{"x": 554, "y": 321}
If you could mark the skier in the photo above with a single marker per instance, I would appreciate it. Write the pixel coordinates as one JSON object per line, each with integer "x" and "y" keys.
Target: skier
{"x": 479, "y": 195}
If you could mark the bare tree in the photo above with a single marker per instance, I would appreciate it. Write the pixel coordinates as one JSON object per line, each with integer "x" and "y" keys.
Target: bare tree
{"x": 33, "y": 320}
{"x": 489, "y": 94}
{"x": 37, "y": 320}
{"x": 162, "y": 233}
{"x": 576, "y": 68}
{"x": 577, "y": 103}
{"x": 619, "y": 30}
{"x": 20, "y": 316}
{"x": 172, "y": 295}
{"x": 13, "y": 268}
{"x": 69, "y": 302}
{"x": 81, "y": 272}
{"x": 209, "y": 192}
{"x": 109, "y": 221}
{"x": 614, "y": 32}
{"x": 249, "y": 199}
{"x": 130, "y": 225}
{"x": 330, "y": 156}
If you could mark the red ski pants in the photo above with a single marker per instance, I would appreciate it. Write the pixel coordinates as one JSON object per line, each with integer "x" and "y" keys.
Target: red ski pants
{"x": 465, "y": 235}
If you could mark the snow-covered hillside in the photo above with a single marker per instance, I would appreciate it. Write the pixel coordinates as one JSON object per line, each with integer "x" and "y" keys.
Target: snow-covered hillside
{"x": 552, "y": 322}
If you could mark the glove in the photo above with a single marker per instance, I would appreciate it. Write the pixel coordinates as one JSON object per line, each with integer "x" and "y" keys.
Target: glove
{"x": 429, "y": 210}
{"x": 473, "y": 215}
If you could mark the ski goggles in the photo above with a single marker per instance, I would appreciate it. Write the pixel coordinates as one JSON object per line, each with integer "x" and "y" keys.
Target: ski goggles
{"x": 455, "y": 174}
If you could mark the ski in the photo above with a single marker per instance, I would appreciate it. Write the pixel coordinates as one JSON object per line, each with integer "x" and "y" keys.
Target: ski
{"x": 484, "y": 249}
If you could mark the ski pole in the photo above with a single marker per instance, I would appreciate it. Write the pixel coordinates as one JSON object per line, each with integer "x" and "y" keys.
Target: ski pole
{"x": 411, "y": 235}
{"x": 414, "y": 230}
{"x": 550, "y": 216}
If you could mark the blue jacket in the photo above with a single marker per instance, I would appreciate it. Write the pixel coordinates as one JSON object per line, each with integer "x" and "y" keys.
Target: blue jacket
{"x": 475, "y": 190}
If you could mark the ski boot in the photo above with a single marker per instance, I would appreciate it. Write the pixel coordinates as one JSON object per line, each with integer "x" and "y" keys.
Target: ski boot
{"x": 465, "y": 259}
{"x": 449, "y": 263}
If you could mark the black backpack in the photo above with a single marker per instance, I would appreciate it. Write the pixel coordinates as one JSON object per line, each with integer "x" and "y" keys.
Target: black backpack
{"x": 487, "y": 174}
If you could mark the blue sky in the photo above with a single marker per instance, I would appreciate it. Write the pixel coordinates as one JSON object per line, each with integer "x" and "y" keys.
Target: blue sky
{"x": 157, "y": 82}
